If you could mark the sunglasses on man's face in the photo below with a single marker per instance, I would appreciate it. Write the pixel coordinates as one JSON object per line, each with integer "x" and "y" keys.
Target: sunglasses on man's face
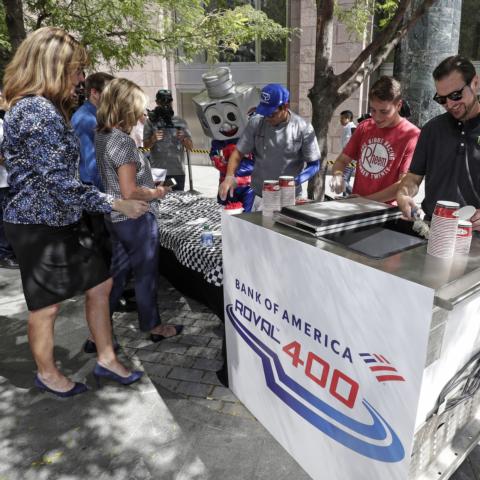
{"x": 454, "y": 96}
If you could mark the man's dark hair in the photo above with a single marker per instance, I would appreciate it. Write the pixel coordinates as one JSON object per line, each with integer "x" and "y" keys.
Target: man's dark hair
{"x": 455, "y": 63}
{"x": 386, "y": 89}
{"x": 348, "y": 114}
{"x": 164, "y": 96}
{"x": 97, "y": 81}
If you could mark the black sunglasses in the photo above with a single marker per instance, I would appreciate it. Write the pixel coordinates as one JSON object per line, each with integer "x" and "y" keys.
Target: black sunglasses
{"x": 454, "y": 96}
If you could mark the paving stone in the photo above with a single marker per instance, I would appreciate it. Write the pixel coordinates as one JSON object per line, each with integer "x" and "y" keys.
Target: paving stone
{"x": 197, "y": 315}
{"x": 149, "y": 356}
{"x": 192, "y": 330}
{"x": 194, "y": 389}
{"x": 170, "y": 347}
{"x": 194, "y": 340}
{"x": 211, "y": 377}
{"x": 158, "y": 370}
{"x": 206, "y": 323}
{"x": 180, "y": 373}
{"x": 208, "y": 364}
{"x": 129, "y": 352}
{"x": 216, "y": 405}
{"x": 137, "y": 343}
{"x": 175, "y": 360}
{"x": 203, "y": 352}
{"x": 236, "y": 410}
{"x": 183, "y": 320}
{"x": 215, "y": 343}
{"x": 222, "y": 393}
{"x": 167, "y": 383}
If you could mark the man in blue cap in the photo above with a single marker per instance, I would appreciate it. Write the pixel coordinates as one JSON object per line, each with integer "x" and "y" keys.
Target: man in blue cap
{"x": 282, "y": 142}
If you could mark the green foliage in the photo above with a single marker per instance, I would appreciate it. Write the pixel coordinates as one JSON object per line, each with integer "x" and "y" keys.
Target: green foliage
{"x": 358, "y": 16}
{"x": 123, "y": 32}
{"x": 4, "y": 38}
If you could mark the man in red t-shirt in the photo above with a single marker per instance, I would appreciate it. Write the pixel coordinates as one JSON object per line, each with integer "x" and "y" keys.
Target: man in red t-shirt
{"x": 383, "y": 146}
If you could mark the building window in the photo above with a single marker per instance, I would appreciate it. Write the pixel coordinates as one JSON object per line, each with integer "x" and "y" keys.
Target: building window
{"x": 258, "y": 51}
{"x": 470, "y": 30}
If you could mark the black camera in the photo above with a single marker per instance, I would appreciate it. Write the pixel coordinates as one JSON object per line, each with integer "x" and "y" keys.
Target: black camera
{"x": 162, "y": 114}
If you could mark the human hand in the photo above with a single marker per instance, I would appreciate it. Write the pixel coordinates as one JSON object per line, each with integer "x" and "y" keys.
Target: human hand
{"x": 407, "y": 206}
{"x": 227, "y": 187}
{"x": 159, "y": 134}
{"x": 131, "y": 208}
{"x": 187, "y": 143}
{"x": 337, "y": 182}
{"x": 161, "y": 191}
{"x": 476, "y": 220}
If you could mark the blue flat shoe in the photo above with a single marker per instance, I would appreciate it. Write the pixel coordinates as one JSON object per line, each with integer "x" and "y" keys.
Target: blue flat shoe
{"x": 155, "y": 337}
{"x": 75, "y": 390}
{"x": 102, "y": 372}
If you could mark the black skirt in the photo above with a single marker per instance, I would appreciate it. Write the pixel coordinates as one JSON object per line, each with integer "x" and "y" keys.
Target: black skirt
{"x": 57, "y": 263}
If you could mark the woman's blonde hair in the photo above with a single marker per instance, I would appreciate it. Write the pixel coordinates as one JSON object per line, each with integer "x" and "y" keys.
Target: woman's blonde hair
{"x": 122, "y": 103}
{"x": 43, "y": 65}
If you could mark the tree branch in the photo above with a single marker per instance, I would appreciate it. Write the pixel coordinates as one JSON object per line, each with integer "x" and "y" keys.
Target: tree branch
{"x": 380, "y": 40}
{"x": 350, "y": 82}
{"x": 324, "y": 34}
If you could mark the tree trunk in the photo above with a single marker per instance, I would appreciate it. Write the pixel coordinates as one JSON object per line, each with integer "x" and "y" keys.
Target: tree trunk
{"x": 16, "y": 29}
{"x": 325, "y": 100}
{"x": 434, "y": 37}
{"x": 323, "y": 93}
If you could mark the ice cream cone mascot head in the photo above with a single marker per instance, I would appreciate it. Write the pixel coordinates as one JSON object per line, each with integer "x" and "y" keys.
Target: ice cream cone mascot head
{"x": 223, "y": 107}
{"x": 223, "y": 110}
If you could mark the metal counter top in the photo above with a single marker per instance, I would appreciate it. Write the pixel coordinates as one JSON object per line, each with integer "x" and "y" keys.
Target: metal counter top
{"x": 453, "y": 280}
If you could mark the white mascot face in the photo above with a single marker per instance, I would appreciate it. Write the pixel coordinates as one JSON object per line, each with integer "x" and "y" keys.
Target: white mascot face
{"x": 225, "y": 118}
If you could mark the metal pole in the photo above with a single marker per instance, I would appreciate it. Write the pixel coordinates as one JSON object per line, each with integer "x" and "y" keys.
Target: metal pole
{"x": 190, "y": 179}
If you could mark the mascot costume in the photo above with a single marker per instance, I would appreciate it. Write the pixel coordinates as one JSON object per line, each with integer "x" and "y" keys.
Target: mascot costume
{"x": 223, "y": 110}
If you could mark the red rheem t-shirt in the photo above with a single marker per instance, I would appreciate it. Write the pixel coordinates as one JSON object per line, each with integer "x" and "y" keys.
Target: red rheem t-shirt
{"x": 382, "y": 154}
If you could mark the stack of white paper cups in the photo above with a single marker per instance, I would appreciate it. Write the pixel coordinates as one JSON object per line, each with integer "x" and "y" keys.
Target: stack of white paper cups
{"x": 443, "y": 229}
{"x": 271, "y": 197}
{"x": 464, "y": 237}
{"x": 287, "y": 190}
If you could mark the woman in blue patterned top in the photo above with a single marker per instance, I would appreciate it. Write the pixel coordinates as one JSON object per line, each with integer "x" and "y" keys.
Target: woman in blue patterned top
{"x": 125, "y": 173}
{"x": 42, "y": 217}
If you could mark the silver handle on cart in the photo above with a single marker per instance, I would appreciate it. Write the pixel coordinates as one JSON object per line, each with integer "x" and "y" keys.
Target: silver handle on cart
{"x": 449, "y": 303}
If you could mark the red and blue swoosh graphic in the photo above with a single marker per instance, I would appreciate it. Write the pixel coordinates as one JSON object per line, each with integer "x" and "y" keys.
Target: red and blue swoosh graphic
{"x": 376, "y": 440}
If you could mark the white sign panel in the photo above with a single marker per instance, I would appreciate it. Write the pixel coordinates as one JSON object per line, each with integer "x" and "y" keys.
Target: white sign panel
{"x": 327, "y": 353}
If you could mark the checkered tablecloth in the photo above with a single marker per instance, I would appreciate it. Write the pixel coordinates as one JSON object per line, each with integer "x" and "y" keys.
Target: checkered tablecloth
{"x": 181, "y": 220}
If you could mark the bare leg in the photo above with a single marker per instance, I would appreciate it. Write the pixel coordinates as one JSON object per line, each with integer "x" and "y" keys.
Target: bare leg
{"x": 40, "y": 336}
{"x": 98, "y": 317}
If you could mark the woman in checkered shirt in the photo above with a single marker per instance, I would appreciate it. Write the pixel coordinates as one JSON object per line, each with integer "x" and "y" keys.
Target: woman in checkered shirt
{"x": 126, "y": 174}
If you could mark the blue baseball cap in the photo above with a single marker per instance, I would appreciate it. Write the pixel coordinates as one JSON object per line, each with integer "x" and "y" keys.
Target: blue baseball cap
{"x": 271, "y": 97}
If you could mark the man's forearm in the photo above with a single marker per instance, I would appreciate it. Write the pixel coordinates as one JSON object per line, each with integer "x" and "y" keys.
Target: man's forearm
{"x": 385, "y": 195}
{"x": 233, "y": 163}
{"x": 409, "y": 185}
{"x": 148, "y": 143}
{"x": 341, "y": 163}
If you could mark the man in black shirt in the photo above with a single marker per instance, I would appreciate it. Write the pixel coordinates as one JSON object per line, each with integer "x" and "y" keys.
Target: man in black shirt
{"x": 448, "y": 149}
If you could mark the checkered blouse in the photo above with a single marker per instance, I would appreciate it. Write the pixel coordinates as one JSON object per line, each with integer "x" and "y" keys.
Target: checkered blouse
{"x": 113, "y": 150}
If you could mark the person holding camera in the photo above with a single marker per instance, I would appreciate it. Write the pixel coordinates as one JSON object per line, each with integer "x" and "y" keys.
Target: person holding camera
{"x": 167, "y": 136}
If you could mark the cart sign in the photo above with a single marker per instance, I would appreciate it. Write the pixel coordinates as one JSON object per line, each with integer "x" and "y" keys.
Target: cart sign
{"x": 331, "y": 372}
